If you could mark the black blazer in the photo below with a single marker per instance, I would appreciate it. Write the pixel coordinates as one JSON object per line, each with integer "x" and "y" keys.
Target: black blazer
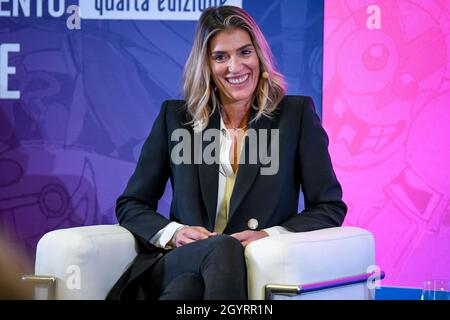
{"x": 272, "y": 200}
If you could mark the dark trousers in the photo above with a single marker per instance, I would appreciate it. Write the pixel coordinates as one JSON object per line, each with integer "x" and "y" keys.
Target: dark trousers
{"x": 210, "y": 269}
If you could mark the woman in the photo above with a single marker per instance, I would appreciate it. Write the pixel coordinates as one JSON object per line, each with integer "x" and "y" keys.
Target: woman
{"x": 231, "y": 88}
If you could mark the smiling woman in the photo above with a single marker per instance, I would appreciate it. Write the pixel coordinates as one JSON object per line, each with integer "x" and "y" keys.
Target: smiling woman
{"x": 229, "y": 39}
{"x": 234, "y": 66}
{"x": 233, "y": 95}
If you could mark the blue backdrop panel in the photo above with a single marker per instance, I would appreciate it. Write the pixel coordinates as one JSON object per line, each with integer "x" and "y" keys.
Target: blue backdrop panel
{"x": 88, "y": 99}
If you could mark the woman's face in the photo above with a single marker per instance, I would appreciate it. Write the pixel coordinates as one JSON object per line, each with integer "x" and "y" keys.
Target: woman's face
{"x": 234, "y": 65}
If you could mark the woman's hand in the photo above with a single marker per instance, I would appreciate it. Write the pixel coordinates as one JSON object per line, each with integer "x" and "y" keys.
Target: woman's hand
{"x": 187, "y": 235}
{"x": 248, "y": 236}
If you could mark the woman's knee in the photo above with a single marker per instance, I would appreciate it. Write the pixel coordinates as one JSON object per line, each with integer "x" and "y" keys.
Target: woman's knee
{"x": 187, "y": 286}
{"x": 226, "y": 243}
{"x": 226, "y": 240}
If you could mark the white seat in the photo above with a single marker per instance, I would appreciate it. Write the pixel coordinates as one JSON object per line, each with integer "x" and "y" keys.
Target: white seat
{"x": 311, "y": 257}
{"x": 85, "y": 262}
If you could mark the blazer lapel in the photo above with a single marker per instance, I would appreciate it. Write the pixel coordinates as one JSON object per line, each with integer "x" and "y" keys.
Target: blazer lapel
{"x": 209, "y": 175}
{"x": 247, "y": 172}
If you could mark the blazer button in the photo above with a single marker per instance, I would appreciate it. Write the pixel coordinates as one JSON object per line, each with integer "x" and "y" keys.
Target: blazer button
{"x": 252, "y": 224}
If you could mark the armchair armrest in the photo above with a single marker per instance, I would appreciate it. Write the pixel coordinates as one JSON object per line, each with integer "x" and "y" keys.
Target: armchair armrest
{"x": 85, "y": 261}
{"x": 311, "y": 257}
{"x": 293, "y": 290}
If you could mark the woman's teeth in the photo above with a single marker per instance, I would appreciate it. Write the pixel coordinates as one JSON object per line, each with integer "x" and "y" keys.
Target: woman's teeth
{"x": 238, "y": 80}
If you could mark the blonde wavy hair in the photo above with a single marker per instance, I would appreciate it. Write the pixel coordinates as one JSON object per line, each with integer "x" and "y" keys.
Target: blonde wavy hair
{"x": 201, "y": 98}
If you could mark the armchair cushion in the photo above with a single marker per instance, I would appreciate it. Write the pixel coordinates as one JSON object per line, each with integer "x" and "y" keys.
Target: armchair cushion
{"x": 309, "y": 257}
{"x": 87, "y": 261}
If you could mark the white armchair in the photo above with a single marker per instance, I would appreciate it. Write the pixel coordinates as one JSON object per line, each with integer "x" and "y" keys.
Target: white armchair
{"x": 85, "y": 262}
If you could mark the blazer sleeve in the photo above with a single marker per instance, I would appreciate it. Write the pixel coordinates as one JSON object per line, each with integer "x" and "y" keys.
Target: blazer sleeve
{"x": 136, "y": 207}
{"x": 322, "y": 192}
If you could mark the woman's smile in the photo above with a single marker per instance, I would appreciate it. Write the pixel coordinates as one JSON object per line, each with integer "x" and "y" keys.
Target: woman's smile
{"x": 238, "y": 80}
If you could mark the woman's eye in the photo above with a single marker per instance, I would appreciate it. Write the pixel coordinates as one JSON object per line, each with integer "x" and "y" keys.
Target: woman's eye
{"x": 246, "y": 52}
{"x": 219, "y": 58}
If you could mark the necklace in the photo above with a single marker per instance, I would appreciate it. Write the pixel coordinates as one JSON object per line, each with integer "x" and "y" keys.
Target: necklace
{"x": 232, "y": 127}
{"x": 238, "y": 128}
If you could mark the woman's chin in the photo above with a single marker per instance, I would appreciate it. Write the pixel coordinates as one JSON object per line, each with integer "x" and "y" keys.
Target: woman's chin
{"x": 239, "y": 97}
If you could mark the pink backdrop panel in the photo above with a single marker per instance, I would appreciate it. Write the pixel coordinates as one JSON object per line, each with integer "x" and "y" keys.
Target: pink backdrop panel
{"x": 386, "y": 108}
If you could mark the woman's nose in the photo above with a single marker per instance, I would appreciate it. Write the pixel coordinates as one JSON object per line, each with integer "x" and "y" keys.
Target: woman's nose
{"x": 234, "y": 65}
